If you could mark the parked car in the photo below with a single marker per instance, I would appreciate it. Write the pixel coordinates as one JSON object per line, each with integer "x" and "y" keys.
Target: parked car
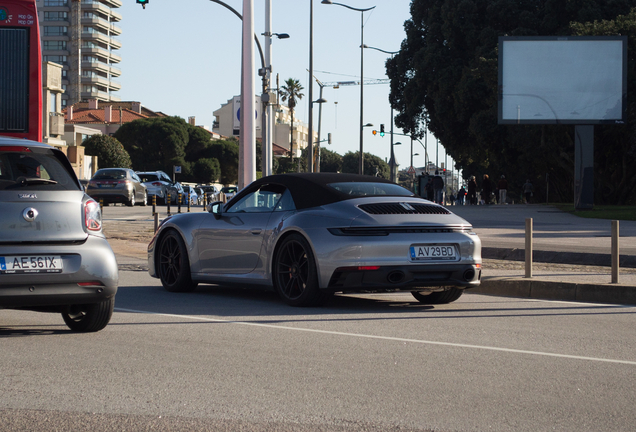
{"x": 211, "y": 192}
{"x": 159, "y": 184}
{"x": 53, "y": 254}
{"x": 191, "y": 192}
{"x": 117, "y": 185}
{"x": 229, "y": 192}
{"x": 312, "y": 234}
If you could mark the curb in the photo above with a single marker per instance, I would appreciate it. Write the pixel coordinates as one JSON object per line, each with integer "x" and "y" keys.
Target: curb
{"x": 580, "y": 258}
{"x": 567, "y": 291}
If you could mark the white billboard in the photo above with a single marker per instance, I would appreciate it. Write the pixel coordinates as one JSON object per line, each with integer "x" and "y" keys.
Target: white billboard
{"x": 569, "y": 80}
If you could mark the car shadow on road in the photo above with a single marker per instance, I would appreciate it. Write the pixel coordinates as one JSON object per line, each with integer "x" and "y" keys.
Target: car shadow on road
{"x": 32, "y": 330}
{"x": 228, "y": 303}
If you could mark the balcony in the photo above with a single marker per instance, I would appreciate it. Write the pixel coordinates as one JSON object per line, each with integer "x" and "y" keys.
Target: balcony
{"x": 96, "y": 66}
{"x": 101, "y": 52}
{"x": 102, "y": 81}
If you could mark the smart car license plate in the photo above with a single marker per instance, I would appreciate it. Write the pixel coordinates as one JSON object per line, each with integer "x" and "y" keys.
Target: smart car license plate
{"x": 433, "y": 253}
{"x": 31, "y": 264}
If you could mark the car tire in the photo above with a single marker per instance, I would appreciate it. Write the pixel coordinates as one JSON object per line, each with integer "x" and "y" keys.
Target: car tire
{"x": 131, "y": 201}
{"x": 441, "y": 297}
{"x": 145, "y": 200}
{"x": 90, "y": 317}
{"x": 173, "y": 263}
{"x": 295, "y": 274}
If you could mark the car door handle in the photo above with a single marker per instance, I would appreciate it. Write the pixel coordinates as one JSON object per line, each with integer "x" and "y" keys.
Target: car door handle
{"x": 256, "y": 231}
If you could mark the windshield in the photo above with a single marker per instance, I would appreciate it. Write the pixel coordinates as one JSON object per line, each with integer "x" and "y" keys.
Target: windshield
{"x": 370, "y": 189}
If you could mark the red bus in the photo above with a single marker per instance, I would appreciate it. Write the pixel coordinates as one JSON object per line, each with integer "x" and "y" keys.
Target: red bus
{"x": 20, "y": 70}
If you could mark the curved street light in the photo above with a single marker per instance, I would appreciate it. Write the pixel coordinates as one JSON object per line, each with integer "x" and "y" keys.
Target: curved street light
{"x": 362, "y": 11}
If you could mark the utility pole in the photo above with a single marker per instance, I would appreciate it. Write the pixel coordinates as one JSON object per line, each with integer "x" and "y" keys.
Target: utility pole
{"x": 74, "y": 89}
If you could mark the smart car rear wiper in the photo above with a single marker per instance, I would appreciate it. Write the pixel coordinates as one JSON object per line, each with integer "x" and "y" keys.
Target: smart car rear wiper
{"x": 24, "y": 181}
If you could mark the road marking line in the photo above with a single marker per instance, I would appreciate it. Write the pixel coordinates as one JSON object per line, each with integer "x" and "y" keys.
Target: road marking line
{"x": 396, "y": 339}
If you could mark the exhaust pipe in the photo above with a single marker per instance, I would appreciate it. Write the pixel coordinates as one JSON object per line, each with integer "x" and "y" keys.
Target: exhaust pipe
{"x": 395, "y": 276}
{"x": 469, "y": 275}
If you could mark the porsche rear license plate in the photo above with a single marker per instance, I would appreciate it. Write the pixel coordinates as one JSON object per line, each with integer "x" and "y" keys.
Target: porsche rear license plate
{"x": 30, "y": 264}
{"x": 433, "y": 253}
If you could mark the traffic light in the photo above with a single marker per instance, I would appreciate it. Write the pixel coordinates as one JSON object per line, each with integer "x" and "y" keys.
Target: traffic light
{"x": 381, "y": 130}
{"x": 329, "y": 138}
{"x": 143, "y": 3}
{"x": 374, "y": 131}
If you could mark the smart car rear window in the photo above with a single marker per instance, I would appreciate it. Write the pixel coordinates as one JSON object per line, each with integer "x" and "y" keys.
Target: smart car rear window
{"x": 34, "y": 169}
{"x": 370, "y": 189}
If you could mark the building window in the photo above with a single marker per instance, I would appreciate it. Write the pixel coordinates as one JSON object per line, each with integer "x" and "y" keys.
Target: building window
{"x": 54, "y": 45}
{"x": 55, "y": 31}
{"x": 53, "y": 103}
{"x": 55, "y": 2}
{"x": 55, "y": 16}
{"x": 59, "y": 59}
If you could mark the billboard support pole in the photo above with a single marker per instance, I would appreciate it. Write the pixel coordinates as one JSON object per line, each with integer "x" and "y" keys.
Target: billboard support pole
{"x": 584, "y": 167}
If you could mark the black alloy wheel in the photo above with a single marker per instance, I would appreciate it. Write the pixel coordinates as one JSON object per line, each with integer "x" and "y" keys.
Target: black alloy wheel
{"x": 441, "y": 297}
{"x": 173, "y": 264}
{"x": 295, "y": 275}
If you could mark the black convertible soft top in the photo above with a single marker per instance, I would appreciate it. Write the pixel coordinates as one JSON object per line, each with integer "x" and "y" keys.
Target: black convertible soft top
{"x": 312, "y": 189}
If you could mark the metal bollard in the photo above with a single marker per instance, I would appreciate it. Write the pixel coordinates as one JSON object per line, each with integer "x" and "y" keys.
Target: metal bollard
{"x": 189, "y": 199}
{"x": 179, "y": 203}
{"x": 205, "y": 200}
{"x": 156, "y": 221}
{"x": 101, "y": 205}
{"x": 615, "y": 255}
{"x": 529, "y": 248}
{"x": 154, "y": 205}
{"x": 168, "y": 204}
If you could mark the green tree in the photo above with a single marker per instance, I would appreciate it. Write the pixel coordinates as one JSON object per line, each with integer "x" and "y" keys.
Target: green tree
{"x": 330, "y": 161}
{"x": 110, "y": 152}
{"x": 291, "y": 92}
{"x": 157, "y": 143}
{"x": 373, "y": 165}
{"x": 445, "y": 79}
{"x": 206, "y": 170}
{"x": 227, "y": 153}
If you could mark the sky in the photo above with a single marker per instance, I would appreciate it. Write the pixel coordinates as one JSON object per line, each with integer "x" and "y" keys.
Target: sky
{"x": 184, "y": 58}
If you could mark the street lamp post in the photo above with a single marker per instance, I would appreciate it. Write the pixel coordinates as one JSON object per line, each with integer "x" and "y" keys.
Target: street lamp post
{"x": 392, "y": 161}
{"x": 362, "y": 11}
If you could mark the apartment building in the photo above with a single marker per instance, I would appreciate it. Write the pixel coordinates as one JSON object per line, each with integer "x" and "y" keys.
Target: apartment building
{"x": 226, "y": 124}
{"x": 82, "y": 37}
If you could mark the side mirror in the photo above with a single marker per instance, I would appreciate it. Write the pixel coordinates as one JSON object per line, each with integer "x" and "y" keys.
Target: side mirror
{"x": 216, "y": 208}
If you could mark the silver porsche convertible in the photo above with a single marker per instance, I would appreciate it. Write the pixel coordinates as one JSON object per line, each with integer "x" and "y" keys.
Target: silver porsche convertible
{"x": 310, "y": 235}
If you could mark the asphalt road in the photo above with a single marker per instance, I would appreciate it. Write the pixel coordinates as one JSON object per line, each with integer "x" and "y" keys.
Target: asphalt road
{"x": 229, "y": 360}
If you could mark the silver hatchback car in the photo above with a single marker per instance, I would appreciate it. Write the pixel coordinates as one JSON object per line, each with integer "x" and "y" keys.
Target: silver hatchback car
{"x": 53, "y": 254}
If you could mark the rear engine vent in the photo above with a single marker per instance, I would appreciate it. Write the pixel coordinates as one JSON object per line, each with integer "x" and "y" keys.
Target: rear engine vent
{"x": 403, "y": 208}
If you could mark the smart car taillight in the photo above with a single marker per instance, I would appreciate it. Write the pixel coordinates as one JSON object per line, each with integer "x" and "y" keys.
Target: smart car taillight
{"x": 92, "y": 215}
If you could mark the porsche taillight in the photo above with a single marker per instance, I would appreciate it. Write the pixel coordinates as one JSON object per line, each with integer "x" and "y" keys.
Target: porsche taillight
{"x": 92, "y": 215}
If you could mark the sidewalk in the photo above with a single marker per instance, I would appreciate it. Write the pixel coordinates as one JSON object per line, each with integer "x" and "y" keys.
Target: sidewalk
{"x": 571, "y": 255}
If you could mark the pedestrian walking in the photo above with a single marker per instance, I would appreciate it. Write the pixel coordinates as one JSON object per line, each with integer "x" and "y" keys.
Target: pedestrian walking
{"x": 527, "y": 190}
{"x": 503, "y": 189}
{"x": 430, "y": 191}
{"x": 438, "y": 185}
{"x": 461, "y": 196}
{"x": 486, "y": 189}
{"x": 472, "y": 191}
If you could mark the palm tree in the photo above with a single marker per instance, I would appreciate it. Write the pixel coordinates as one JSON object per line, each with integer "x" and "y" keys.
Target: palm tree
{"x": 290, "y": 92}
